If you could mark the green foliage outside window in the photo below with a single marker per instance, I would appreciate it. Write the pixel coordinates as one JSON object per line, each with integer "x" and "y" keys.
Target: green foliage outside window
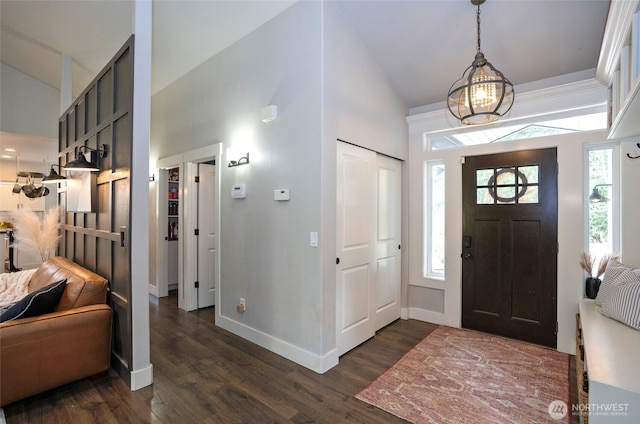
{"x": 599, "y": 173}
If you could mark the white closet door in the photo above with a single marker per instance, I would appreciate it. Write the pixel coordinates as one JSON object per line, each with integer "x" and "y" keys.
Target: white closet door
{"x": 355, "y": 279}
{"x": 388, "y": 237}
{"x": 368, "y": 224}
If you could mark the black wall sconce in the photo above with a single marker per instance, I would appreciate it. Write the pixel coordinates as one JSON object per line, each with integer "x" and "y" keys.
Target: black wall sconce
{"x": 596, "y": 197}
{"x": 242, "y": 161}
{"x": 81, "y": 163}
{"x": 54, "y": 177}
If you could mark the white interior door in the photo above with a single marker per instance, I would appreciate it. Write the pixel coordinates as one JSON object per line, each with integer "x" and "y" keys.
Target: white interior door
{"x": 368, "y": 244}
{"x": 388, "y": 237}
{"x": 355, "y": 279}
{"x": 207, "y": 237}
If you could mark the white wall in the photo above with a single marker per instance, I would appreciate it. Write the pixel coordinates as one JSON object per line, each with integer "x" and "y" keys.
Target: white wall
{"x": 360, "y": 107}
{"x": 325, "y": 86}
{"x": 359, "y": 103}
{"x": 630, "y": 203}
{"x": 28, "y": 105}
{"x": 265, "y": 255}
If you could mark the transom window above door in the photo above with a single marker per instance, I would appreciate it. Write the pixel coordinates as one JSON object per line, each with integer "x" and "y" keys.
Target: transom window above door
{"x": 595, "y": 120}
{"x": 507, "y": 185}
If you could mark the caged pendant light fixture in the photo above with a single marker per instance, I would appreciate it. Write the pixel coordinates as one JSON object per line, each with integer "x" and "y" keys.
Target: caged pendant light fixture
{"x": 483, "y": 94}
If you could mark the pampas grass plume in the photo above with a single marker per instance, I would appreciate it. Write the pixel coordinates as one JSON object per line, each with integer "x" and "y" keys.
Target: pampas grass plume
{"x": 602, "y": 266}
{"x": 587, "y": 262}
{"x": 35, "y": 235}
{"x": 50, "y": 233}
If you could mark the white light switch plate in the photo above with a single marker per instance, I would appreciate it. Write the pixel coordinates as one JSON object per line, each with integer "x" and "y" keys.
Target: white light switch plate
{"x": 313, "y": 239}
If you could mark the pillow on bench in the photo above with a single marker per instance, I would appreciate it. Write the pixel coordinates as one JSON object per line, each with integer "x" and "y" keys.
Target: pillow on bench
{"x": 616, "y": 273}
{"x": 623, "y": 304}
{"x": 39, "y": 302}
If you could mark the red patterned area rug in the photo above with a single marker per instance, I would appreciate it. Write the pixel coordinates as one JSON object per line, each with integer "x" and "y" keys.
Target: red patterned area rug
{"x": 462, "y": 376}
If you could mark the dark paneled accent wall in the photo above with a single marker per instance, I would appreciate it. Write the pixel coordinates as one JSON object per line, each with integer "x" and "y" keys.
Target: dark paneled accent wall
{"x": 103, "y": 115}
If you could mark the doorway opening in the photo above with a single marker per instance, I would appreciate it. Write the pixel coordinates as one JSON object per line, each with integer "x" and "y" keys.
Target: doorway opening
{"x": 173, "y": 226}
{"x": 189, "y": 213}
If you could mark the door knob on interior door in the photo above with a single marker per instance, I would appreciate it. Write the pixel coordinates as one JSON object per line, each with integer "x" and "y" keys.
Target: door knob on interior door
{"x": 467, "y": 256}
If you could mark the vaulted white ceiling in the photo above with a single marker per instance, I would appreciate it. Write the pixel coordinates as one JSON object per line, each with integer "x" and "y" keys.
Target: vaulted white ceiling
{"x": 423, "y": 46}
{"x": 185, "y": 33}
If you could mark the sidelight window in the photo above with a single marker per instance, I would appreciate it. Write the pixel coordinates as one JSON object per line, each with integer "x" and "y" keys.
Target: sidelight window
{"x": 602, "y": 201}
{"x": 434, "y": 219}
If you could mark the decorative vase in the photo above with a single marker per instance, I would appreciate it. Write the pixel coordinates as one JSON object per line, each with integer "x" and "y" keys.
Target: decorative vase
{"x": 592, "y": 285}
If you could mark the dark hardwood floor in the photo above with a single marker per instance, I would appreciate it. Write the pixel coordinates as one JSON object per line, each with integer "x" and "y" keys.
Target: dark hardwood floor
{"x": 203, "y": 374}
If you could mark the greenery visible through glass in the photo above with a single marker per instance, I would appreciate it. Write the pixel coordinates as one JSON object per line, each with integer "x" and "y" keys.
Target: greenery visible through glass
{"x": 482, "y": 176}
{"x": 593, "y": 120}
{"x": 499, "y": 185}
{"x": 506, "y": 176}
{"x": 600, "y": 213}
{"x": 483, "y": 196}
{"x": 506, "y": 195}
{"x": 530, "y": 196}
{"x": 531, "y": 172}
{"x": 436, "y": 217}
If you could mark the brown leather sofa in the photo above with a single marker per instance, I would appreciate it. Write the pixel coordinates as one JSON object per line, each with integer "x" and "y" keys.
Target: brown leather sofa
{"x": 74, "y": 342}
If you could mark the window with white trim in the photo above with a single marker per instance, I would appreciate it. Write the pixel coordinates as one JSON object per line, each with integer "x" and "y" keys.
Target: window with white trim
{"x": 593, "y": 119}
{"x": 434, "y": 240}
{"x": 602, "y": 201}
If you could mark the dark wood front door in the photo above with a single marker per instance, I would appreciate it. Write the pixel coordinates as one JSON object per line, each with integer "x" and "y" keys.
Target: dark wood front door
{"x": 509, "y": 255}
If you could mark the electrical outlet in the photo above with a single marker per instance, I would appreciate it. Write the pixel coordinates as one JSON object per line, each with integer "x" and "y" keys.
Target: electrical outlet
{"x": 241, "y": 306}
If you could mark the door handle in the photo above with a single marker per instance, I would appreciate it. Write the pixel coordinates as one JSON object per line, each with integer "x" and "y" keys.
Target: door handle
{"x": 467, "y": 256}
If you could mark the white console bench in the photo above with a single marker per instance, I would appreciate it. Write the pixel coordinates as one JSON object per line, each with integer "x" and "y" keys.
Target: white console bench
{"x": 612, "y": 362}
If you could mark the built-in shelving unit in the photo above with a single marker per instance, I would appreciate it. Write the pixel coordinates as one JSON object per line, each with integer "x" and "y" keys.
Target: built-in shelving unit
{"x": 173, "y": 203}
{"x": 173, "y": 208}
{"x": 619, "y": 67}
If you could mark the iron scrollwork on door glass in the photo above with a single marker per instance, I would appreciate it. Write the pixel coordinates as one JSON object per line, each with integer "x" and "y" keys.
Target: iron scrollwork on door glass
{"x": 507, "y": 185}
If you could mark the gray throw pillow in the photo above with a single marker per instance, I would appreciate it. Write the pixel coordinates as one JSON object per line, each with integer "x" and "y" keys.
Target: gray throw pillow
{"x": 623, "y": 304}
{"x": 615, "y": 273}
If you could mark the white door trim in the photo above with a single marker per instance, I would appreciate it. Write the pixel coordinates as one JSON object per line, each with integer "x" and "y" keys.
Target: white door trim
{"x": 187, "y": 294}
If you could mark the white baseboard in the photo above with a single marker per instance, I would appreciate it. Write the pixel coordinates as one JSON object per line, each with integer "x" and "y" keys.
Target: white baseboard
{"x": 317, "y": 363}
{"x": 153, "y": 290}
{"x": 430, "y": 316}
{"x": 142, "y": 378}
{"x": 404, "y": 313}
